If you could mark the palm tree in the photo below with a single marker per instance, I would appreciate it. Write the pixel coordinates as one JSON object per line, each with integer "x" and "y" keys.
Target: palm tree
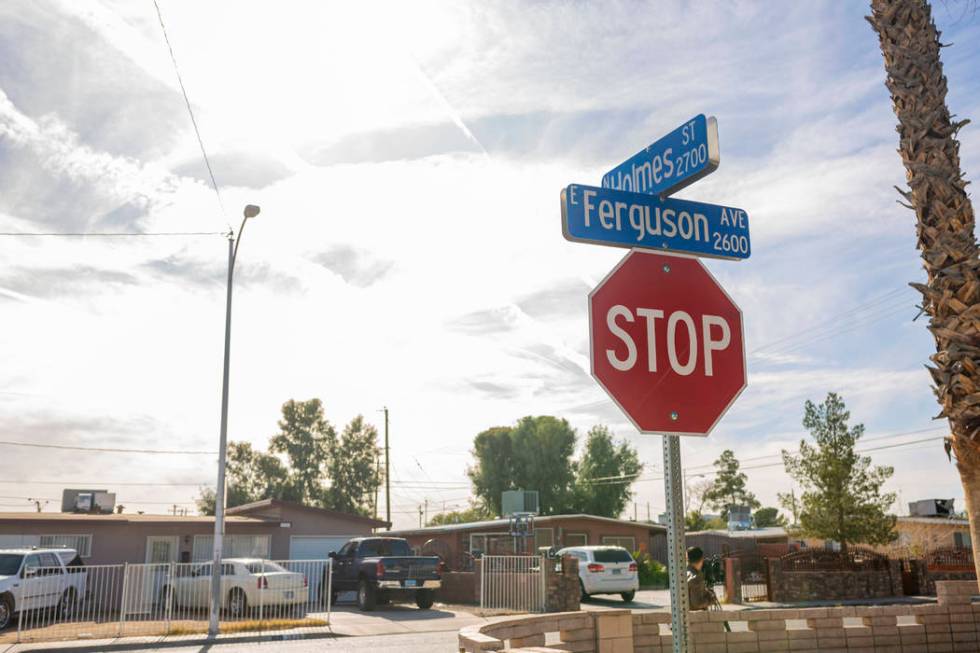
{"x": 937, "y": 192}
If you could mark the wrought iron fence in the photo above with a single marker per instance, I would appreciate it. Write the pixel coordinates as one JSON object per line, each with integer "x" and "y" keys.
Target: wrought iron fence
{"x": 856, "y": 559}
{"x": 108, "y": 601}
{"x": 512, "y": 583}
{"x": 957, "y": 559}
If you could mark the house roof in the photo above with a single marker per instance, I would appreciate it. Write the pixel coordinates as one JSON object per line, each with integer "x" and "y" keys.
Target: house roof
{"x": 544, "y": 519}
{"x": 751, "y": 534}
{"x": 121, "y": 519}
{"x": 325, "y": 512}
{"x": 935, "y": 521}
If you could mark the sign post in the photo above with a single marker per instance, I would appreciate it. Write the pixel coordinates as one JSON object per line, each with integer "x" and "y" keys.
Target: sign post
{"x": 676, "y": 551}
{"x": 666, "y": 340}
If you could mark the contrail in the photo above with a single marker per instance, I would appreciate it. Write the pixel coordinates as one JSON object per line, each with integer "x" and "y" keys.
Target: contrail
{"x": 453, "y": 114}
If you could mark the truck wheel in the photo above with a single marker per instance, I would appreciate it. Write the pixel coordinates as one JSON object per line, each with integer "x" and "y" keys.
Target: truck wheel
{"x": 6, "y": 611}
{"x": 628, "y": 596}
{"x": 366, "y": 596}
{"x": 66, "y": 608}
{"x": 424, "y": 599}
{"x": 585, "y": 597}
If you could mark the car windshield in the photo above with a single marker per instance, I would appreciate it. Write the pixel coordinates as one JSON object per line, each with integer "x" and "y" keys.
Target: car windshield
{"x": 10, "y": 564}
{"x": 612, "y": 555}
{"x": 263, "y": 567}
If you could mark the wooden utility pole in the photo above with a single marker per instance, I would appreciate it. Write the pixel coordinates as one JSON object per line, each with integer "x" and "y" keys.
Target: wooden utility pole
{"x": 387, "y": 475}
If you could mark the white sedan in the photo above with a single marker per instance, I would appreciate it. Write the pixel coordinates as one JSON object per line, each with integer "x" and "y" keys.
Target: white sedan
{"x": 246, "y": 583}
{"x": 605, "y": 570}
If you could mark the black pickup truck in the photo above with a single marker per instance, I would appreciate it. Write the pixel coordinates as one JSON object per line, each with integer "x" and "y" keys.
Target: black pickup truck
{"x": 382, "y": 569}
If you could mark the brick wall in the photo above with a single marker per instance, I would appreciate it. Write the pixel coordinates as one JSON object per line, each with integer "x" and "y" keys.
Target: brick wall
{"x": 459, "y": 587}
{"x": 794, "y": 586}
{"x": 952, "y": 624}
{"x": 562, "y": 584}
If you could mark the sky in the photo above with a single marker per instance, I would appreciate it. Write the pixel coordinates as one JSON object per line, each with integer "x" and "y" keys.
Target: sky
{"x": 408, "y": 159}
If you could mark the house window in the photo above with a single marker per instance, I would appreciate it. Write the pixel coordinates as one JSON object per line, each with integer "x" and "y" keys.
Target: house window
{"x": 575, "y": 539}
{"x": 544, "y": 537}
{"x": 962, "y": 541}
{"x": 628, "y": 543}
{"x": 233, "y": 546}
{"x": 491, "y": 544}
{"x": 81, "y": 543}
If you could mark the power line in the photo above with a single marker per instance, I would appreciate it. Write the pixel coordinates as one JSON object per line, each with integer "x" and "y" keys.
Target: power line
{"x": 106, "y": 449}
{"x": 111, "y": 234}
{"x": 102, "y": 483}
{"x": 190, "y": 111}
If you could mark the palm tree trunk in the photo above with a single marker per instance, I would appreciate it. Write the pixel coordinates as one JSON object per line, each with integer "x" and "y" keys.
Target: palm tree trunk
{"x": 937, "y": 192}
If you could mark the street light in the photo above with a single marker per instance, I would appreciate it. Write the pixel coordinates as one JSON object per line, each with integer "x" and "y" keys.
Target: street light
{"x": 219, "y": 495}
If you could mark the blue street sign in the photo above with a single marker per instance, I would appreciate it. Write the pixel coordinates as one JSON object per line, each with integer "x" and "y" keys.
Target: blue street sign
{"x": 619, "y": 219}
{"x": 680, "y": 158}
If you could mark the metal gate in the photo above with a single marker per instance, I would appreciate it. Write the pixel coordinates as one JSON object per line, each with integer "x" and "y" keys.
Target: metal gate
{"x": 512, "y": 583}
{"x": 752, "y": 580}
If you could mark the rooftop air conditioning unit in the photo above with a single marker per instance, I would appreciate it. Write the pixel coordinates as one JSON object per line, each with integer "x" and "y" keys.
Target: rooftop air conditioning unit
{"x": 86, "y": 501}
{"x": 517, "y": 501}
{"x": 931, "y": 508}
{"x": 739, "y": 518}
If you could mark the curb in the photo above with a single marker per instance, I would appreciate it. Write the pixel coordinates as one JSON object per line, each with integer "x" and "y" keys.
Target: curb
{"x": 197, "y": 641}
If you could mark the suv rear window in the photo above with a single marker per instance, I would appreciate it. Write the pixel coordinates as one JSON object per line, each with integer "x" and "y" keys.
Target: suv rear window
{"x": 612, "y": 555}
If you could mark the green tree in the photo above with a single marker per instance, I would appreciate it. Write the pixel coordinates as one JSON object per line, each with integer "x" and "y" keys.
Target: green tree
{"x": 728, "y": 488}
{"x": 492, "y": 472}
{"x": 308, "y": 440}
{"x": 352, "y": 469}
{"x": 476, "y": 512}
{"x": 544, "y": 447}
{"x": 614, "y": 465}
{"x": 842, "y": 494}
{"x": 766, "y": 517}
{"x": 536, "y": 454}
{"x": 250, "y": 476}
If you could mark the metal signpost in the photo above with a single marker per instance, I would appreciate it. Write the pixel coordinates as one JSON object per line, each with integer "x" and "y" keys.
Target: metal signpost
{"x": 666, "y": 339}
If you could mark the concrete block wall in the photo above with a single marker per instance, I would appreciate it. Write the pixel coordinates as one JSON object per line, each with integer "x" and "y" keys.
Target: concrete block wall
{"x": 950, "y": 625}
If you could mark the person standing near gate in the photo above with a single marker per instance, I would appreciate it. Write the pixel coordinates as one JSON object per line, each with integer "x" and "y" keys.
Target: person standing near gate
{"x": 699, "y": 596}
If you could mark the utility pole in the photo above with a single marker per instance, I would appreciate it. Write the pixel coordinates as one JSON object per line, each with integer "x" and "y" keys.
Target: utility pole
{"x": 420, "y": 516}
{"x": 426, "y": 512}
{"x": 648, "y": 511}
{"x": 377, "y": 460}
{"x": 387, "y": 475}
{"x": 634, "y": 511}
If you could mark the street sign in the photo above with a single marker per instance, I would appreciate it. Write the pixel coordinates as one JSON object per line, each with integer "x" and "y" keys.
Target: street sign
{"x": 666, "y": 343}
{"x": 680, "y": 158}
{"x": 623, "y": 219}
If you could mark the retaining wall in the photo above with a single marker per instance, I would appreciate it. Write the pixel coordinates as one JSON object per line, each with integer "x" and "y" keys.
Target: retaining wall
{"x": 793, "y": 586}
{"x": 952, "y": 624}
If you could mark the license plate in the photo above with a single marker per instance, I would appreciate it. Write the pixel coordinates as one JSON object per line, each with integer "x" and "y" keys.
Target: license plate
{"x": 617, "y": 572}
{"x": 287, "y": 595}
{"x": 411, "y": 583}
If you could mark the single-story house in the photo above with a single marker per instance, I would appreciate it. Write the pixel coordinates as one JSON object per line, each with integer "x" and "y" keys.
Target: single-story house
{"x": 769, "y": 541}
{"x": 457, "y": 542}
{"x": 274, "y": 529}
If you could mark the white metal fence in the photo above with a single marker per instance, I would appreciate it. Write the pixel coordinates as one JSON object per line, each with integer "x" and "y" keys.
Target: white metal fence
{"x": 512, "y": 583}
{"x": 95, "y": 602}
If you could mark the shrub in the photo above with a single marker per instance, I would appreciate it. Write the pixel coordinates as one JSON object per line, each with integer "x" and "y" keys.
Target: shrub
{"x": 652, "y": 573}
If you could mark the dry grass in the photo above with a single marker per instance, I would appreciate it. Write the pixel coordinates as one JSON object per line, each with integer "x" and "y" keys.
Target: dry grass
{"x": 250, "y": 626}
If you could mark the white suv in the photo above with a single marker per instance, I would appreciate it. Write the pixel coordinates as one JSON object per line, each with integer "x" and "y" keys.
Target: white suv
{"x": 605, "y": 570}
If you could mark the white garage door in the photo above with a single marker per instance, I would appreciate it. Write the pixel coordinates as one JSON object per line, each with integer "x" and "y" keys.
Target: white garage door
{"x": 302, "y": 547}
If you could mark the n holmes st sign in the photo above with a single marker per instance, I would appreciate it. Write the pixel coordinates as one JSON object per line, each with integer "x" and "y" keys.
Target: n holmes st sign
{"x": 680, "y": 158}
{"x": 626, "y": 219}
{"x": 667, "y": 343}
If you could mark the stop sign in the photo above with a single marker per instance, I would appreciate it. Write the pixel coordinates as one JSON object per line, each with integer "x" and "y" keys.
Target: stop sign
{"x": 667, "y": 343}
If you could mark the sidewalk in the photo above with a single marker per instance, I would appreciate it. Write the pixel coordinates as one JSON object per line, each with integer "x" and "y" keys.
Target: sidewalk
{"x": 345, "y": 621}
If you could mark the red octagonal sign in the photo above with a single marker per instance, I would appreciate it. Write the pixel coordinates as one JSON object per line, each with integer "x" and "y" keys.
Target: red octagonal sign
{"x": 667, "y": 343}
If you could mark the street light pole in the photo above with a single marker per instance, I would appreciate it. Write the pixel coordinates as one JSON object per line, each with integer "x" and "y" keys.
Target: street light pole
{"x": 219, "y": 495}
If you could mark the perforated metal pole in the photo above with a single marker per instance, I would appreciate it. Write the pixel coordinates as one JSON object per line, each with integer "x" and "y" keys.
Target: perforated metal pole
{"x": 676, "y": 551}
